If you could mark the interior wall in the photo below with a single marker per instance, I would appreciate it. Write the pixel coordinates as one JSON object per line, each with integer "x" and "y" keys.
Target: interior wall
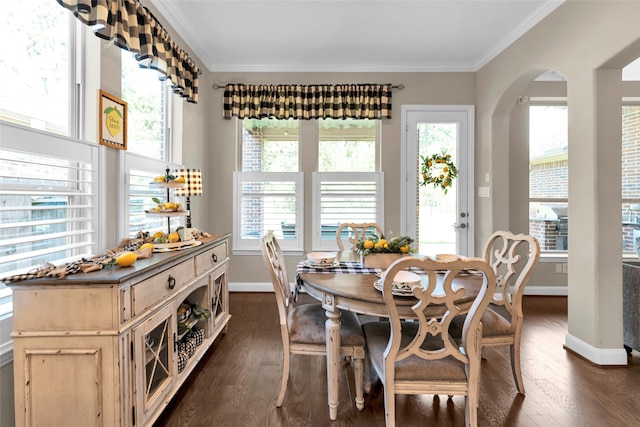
{"x": 576, "y": 40}
{"x": 419, "y": 88}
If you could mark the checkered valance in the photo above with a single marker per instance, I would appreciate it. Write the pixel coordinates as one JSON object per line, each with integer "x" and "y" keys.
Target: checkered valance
{"x": 344, "y": 101}
{"x": 132, "y": 27}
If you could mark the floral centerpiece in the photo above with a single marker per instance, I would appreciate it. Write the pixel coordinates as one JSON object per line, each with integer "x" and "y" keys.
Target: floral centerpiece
{"x": 378, "y": 252}
{"x": 438, "y": 170}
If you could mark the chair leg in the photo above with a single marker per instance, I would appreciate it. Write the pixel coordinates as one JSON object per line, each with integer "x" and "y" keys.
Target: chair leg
{"x": 471, "y": 411}
{"x": 285, "y": 378}
{"x": 389, "y": 407}
{"x": 515, "y": 368}
{"x": 358, "y": 363}
{"x": 367, "y": 373}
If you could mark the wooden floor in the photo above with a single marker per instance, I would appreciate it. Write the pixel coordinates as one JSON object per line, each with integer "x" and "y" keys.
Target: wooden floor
{"x": 237, "y": 382}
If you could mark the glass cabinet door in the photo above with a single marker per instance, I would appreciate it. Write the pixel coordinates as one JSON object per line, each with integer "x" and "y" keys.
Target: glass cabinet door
{"x": 154, "y": 354}
{"x": 219, "y": 303}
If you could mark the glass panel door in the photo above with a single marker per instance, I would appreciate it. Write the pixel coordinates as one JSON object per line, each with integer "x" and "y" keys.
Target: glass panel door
{"x": 154, "y": 355}
{"x": 436, "y": 211}
{"x": 442, "y": 222}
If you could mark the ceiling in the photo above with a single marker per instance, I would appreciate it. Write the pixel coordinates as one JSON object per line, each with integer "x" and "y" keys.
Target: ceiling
{"x": 350, "y": 35}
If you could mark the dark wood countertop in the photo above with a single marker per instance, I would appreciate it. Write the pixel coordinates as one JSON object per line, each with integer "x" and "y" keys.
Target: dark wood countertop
{"x": 117, "y": 275}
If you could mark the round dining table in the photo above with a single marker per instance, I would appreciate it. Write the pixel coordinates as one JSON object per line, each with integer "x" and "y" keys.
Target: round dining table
{"x": 353, "y": 289}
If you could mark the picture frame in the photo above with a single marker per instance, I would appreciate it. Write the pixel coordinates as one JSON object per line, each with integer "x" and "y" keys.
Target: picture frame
{"x": 113, "y": 121}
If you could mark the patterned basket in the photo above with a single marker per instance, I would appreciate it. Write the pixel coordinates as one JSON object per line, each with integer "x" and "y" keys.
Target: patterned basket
{"x": 183, "y": 358}
{"x": 198, "y": 333}
{"x": 191, "y": 347}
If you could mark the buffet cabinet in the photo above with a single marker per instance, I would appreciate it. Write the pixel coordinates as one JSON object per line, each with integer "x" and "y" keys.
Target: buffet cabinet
{"x": 112, "y": 347}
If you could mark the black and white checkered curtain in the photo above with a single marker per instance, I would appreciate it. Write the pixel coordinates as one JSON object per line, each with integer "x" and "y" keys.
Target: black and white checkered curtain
{"x": 132, "y": 27}
{"x": 345, "y": 101}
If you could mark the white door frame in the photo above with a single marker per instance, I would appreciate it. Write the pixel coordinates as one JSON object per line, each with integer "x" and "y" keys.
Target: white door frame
{"x": 465, "y": 165}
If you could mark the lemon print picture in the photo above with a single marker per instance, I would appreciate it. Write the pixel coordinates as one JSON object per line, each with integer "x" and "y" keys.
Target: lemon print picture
{"x": 113, "y": 121}
{"x": 113, "y": 118}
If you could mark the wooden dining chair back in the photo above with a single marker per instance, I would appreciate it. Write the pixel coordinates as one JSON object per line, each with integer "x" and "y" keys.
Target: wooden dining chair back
{"x": 302, "y": 326}
{"x": 422, "y": 357}
{"x": 513, "y": 258}
{"x": 356, "y": 231}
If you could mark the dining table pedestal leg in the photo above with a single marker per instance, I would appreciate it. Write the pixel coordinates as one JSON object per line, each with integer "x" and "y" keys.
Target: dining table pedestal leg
{"x": 332, "y": 328}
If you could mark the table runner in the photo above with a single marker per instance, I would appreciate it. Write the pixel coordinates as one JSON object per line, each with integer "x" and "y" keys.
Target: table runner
{"x": 349, "y": 267}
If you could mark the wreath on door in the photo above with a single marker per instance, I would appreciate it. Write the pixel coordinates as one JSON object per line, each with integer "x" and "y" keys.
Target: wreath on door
{"x": 438, "y": 170}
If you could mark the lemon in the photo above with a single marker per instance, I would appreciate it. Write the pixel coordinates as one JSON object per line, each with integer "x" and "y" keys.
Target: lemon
{"x": 368, "y": 244}
{"x": 170, "y": 206}
{"x": 173, "y": 237}
{"x": 148, "y": 245}
{"x": 404, "y": 249}
{"x": 180, "y": 179}
{"x": 158, "y": 234}
{"x": 113, "y": 120}
{"x": 125, "y": 259}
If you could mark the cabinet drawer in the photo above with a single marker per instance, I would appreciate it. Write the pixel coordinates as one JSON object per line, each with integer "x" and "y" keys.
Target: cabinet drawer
{"x": 160, "y": 286}
{"x": 211, "y": 258}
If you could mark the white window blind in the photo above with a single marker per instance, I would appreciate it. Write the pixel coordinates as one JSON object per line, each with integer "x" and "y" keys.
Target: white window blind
{"x": 344, "y": 197}
{"x": 49, "y": 207}
{"x": 268, "y": 201}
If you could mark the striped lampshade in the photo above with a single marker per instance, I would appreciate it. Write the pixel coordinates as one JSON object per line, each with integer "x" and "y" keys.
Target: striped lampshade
{"x": 193, "y": 181}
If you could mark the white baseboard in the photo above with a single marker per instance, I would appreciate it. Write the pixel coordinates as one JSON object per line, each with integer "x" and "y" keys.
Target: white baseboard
{"x": 599, "y": 356}
{"x": 252, "y": 287}
{"x": 548, "y": 291}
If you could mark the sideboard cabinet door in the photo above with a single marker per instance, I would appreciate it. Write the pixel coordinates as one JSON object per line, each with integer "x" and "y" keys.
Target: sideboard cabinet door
{"x": 154, "y": 355}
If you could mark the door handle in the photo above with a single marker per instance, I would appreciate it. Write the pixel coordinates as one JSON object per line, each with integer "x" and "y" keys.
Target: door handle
{"x": 457, "y": 226}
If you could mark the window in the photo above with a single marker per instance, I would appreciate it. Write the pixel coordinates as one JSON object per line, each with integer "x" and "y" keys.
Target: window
{"x": 269, "y": 190}
{"x": 36, "y": 65}
{"x": 630, "y": 178}
{"x": 548, "y": 176}
{"x": 148, "y": 153}
{"x": 346, "y": 187}
{"x": 49, "y": 199}
{"x": 147, "y": 107}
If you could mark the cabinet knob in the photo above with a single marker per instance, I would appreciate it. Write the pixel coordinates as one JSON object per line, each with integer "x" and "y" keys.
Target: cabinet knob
{"x": 215, "y": 257}
{"x": 171, "y": 282}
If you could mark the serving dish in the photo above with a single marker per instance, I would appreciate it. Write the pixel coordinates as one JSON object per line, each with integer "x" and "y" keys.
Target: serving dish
{"x": 394, "y": 290}
{"x": 324, "y": 266}
{"x": 403, "y": 279}
{"x": 321, "y": 257}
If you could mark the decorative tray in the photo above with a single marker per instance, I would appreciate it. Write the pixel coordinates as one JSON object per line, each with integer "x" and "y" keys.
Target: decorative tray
{"x": 165, "y": 213}
{"x": 176, "y": 246}
{"x": 167, "y": 184}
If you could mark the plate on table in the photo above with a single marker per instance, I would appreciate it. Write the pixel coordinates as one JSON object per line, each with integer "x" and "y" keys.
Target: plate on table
{"x": 394, "y": 289}
{"x": 321, "y": 266}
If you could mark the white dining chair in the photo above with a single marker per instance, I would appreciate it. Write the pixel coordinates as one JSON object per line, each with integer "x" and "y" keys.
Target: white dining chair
{"x": 422, "y": 357}
{"x": 302, "y": 327}
{"x": 356, "y": 231}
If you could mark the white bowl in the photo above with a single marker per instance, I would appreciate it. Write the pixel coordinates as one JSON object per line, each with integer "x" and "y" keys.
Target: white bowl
{"x": 404, "y": 280}
{"x": 321, "y": 257}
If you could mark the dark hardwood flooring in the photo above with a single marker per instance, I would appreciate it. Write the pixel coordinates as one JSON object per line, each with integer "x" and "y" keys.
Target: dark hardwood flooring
{"x": 237, "y": 382}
